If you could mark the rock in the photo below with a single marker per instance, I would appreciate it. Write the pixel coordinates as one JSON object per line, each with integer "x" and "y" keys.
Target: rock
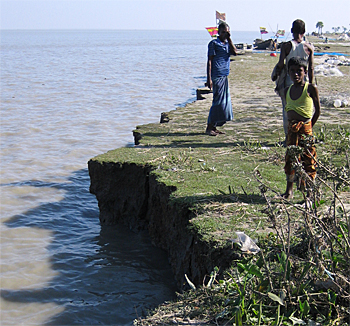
{"x": 164, "y": 117}
{"x": 137, "y": 137}
{"x": 203, "y": 91}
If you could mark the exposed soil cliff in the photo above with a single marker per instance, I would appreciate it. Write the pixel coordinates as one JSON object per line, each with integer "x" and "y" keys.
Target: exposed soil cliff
{"x": 130, "y": 194}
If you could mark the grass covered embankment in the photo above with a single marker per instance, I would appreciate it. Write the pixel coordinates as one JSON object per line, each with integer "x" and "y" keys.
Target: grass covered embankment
{"x": 216, "y": 179}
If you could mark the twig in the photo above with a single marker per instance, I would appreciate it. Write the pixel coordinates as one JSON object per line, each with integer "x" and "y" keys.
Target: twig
{"x": 274, "y": 221}
{"x": 327, "y": 170}
{"x": 345, "y": 215}
{"x": 288, "y": 243}
{"x": 267, "y": 270}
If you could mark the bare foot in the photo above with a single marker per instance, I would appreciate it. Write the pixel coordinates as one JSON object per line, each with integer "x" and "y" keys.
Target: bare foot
{"x": 287, "y": 195}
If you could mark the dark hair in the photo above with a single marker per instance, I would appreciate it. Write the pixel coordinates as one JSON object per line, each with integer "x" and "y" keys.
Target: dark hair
{"x": 223, "y": 25}
{"x": 297, "y": 61}
{"x": 298, "y": 27}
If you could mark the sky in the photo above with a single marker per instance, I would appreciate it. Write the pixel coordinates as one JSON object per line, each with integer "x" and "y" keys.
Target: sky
{"x": 244, "y": 15}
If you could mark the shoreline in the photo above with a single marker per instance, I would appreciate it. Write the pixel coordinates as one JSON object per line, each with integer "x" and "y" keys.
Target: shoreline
{"x": 172, "y": 183}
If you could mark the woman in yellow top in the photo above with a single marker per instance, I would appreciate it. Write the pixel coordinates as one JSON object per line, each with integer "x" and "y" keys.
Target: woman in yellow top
{"x": 303, "y": 110}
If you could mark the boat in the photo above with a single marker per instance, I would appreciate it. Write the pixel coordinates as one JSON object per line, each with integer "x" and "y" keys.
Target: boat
{"x": 260, "y": 44}
{"x": 242, "y": 48}
{"x": 271, "y": 43}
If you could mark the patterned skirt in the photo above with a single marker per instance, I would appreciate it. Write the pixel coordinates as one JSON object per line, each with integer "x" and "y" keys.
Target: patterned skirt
{"x": 297, "y": 130}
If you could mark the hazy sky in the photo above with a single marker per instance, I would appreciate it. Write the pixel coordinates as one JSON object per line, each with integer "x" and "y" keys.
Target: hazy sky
{"x": 244, "y": 15}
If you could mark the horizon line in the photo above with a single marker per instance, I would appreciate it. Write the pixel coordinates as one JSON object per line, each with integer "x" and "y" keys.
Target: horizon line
{"x": 111, "y": 29}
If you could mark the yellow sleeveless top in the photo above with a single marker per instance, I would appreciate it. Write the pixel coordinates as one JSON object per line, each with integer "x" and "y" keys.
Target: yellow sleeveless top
{"x": 303, "y": 105}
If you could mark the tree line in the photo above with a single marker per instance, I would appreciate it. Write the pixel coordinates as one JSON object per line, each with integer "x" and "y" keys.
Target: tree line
{"x": 320, "y": 25}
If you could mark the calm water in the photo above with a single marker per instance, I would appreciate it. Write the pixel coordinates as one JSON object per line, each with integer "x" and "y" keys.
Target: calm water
{"x": 67, "y": 96}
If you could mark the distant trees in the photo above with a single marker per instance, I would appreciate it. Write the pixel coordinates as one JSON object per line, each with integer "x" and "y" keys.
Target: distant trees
{"x": 336, "y": 29}
{"x": 319, "y": 25}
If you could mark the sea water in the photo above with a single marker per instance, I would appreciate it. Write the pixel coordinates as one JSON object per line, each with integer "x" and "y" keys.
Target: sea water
{"x": 67, "y": 96}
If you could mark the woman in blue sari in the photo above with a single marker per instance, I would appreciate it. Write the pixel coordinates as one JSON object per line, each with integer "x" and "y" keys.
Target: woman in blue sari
{"x": 218, "y": 68}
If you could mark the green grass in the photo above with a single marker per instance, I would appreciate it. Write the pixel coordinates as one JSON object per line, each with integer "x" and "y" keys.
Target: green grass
{"x": 206, "y": 169}
{"x": 214, "y": 178}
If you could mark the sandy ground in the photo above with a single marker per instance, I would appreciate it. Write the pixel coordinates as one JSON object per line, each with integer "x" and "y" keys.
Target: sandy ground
{"x": 257, "y": 106}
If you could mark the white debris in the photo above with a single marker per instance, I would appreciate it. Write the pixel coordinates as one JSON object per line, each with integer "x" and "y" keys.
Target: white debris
{"x": 327, "y": 70}
{"x": 337, "y": 103}
{"x": 339, "y": 100}
{"x": 245, "y": 243}
{"x": 334, "y": 62}
{"x": 327, "y": 65}
{"x": 343, "y": 37}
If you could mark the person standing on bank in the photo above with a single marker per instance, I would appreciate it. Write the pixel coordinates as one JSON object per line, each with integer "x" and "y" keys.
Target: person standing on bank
{"x": 297, "y": 47}
{"x": 218, "y": 68}
{"x": 303, "y": 110}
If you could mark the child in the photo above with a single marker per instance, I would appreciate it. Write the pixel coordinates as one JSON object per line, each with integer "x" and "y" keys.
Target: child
{"x": 296, "y": 47}
{"x": 301, "y": 99}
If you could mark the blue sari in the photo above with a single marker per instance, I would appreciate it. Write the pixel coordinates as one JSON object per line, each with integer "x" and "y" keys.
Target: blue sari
{"x": 221, "y": 109}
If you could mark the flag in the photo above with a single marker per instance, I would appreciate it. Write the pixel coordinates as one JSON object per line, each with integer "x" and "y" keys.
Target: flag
{"x": 280, "y": 32}
{"x": 263, "y": 30}
{"x": 220, "y": 16}
{"x": 213, "y": 31}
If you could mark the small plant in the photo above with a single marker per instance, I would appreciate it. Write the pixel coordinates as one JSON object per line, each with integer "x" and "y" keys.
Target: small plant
{"x": 251, "y": 145}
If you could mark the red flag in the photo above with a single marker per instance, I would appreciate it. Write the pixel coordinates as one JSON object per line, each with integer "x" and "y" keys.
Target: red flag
{"x": 221, "y": 16}
{"x": 213, "y": 31}
{"x": 263, "y": 30}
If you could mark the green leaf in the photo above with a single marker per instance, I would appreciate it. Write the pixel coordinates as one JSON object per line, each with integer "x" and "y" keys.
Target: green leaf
{"x": 318, "y": 203}
{"x": 305, "y": 270}
{"x": 254, "y": 270}
{"x": 278, "y": 315}
{"x": 260, "y": 262}
{"x": 283, "y": 257}
{"x": 241, "y": 267}
{"x": 276, "y": 298}
{"x": 260, "y": 313}
{"x": 306, "y": 308}
{"x": 239, "y": 321}
{"x": 288, "y": 269}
